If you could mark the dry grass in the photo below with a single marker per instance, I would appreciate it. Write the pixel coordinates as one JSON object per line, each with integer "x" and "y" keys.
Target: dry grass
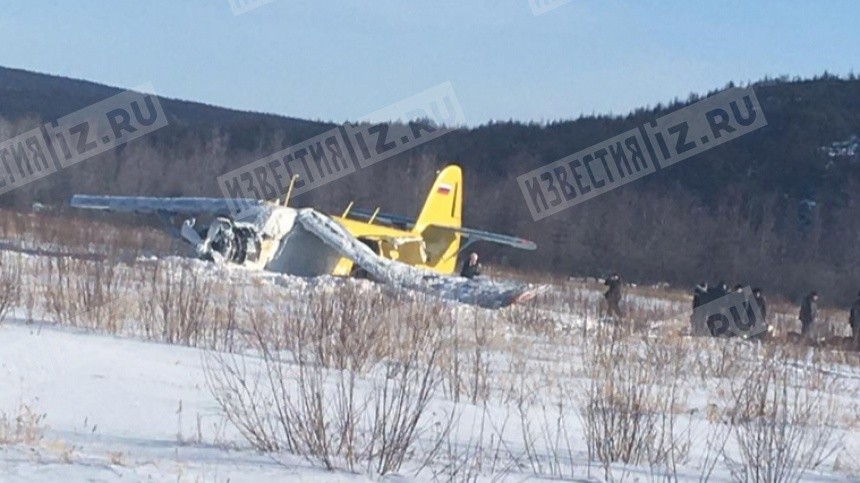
{"x": 781, "y": 416}
{"x": 350, "y": 376}
{"x": 75, "y": 234}
{"x": 25, "y": 426}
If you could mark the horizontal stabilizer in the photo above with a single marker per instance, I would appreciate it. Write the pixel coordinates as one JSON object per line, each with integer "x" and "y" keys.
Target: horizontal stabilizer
{"x": 480, "y": 235}
{"x": 472, "y": 234}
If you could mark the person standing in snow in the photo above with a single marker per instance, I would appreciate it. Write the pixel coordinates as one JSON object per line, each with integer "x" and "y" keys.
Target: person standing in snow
{"x": 854, "y": 322}
{"x": 697, "y": 319}
{"x": 471, "y": 267}
{"x": 761, "y": 303}
{"x": 714, "y": 320}
{"x": 808, "y": 313}
{"x": 743, "y": 318}
{"x": 613, "y": 295}
{"x": 700, "y": 295}
{"x": 718, "y": 291}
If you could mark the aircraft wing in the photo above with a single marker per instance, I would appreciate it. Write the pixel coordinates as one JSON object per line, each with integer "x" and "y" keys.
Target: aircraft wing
{"x": 478, "y": 291}
{"x": 146, "y": 204}
{"x": 470, "y": 233}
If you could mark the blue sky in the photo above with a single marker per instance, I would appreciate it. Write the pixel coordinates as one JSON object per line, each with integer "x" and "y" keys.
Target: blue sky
{"x": 340, "y": 60}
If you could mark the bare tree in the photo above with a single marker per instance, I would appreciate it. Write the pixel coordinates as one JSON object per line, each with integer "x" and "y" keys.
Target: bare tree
{"x": 780, "y": 421}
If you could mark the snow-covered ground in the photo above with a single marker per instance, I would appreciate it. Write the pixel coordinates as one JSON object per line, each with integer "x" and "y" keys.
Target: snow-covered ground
{"x": 114, "y": 401}
{"x": 117, "y": 408}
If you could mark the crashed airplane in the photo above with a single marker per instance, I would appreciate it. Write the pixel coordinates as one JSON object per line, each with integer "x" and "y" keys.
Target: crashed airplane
{"x": 419, "y": 254}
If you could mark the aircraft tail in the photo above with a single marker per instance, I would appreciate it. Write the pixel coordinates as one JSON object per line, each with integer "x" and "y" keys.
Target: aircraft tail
{"x": 443, "y": 208}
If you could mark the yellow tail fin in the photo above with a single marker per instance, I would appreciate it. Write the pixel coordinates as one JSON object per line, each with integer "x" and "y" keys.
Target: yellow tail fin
{"x": 444, "y": 207}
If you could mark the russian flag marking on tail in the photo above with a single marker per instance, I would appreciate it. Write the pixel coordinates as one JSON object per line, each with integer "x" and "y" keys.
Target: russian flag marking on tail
{"x": 443, "y": 189}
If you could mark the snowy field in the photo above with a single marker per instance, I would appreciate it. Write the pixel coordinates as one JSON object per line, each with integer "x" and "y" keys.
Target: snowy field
{"x": 178, "y": 370}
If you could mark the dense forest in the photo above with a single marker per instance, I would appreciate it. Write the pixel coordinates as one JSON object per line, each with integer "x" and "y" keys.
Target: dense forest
{"x": 777, "y": 208}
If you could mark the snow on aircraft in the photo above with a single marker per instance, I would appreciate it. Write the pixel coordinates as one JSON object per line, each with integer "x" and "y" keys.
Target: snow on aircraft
{"x": 419, "y": 254}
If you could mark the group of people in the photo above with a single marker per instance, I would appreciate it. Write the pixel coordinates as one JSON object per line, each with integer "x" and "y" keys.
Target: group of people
{"x": 723, "y": 312}
{"x": 719, "y": 311}
{"x": 809, "y": 316}
{"x": 716, "y": 309}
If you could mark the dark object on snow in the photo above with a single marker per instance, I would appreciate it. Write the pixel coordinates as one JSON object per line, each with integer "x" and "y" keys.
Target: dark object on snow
{"x": 700, "y": 294}
{"x": 700, "y": 297}
{"x": 761, "y": 301}
{"x": 854, "y": 321}
{"x": 808, "y": 313}
{"x": 719, "y": 291}
{"x": 613, "y": 295}
{"x": 713, "y": 316}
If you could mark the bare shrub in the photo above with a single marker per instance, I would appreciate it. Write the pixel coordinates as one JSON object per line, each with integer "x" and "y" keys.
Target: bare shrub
{"x": 466, "y": 361}
{"x": 61, "y": 297}
{"x": 225, "y": 320}
{"x": 531, "y": 318}
{"x": 715, "y": 445}
{"x": 399, "y": 399}
{"x": 718, "y": 358}
{"x": 780, "y": 418}
{"x": 291, "y": 402}
{"x": 247, "y": 399}
{"x": 26, "y": 426}
{"x": 177, "y": 304}
{"x": 483, "y": 450}
{"x": 629, "y": 408}
{"x": 668, "y": 360}
{"x": 83, "y": 293}
{"x": 100, "y": 289}
{"x": 349, "y": 329}
{"x": 547, "y": 441}
{"x": 10, "y": 283}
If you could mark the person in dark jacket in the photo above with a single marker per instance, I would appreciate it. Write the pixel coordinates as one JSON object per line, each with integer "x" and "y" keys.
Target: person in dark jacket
{"x": 613, "y": 295}
{"x": 743, "y": 317}
{"x": 718, "y": 291}
{"x": 808, "y": 313}
{"x": 700, "y": 297}
{"x": 713, "y": 319}
{"x": 471, "y": 267}
{"x": 854, "y": 321}
{"x": 760, "y": 302}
